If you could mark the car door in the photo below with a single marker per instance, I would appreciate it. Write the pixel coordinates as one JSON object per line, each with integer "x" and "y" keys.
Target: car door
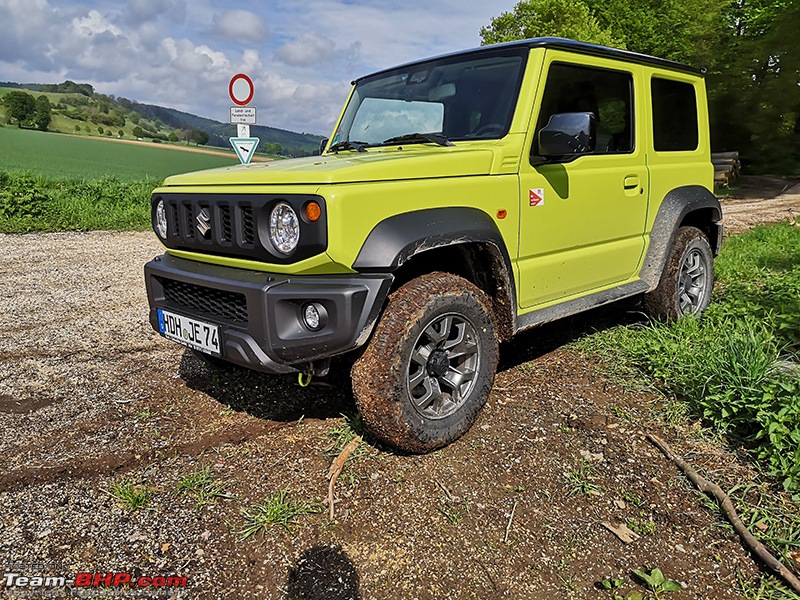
{"x": 582, "y": 219}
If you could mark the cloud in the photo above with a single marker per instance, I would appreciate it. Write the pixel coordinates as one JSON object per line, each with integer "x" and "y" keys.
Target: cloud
{"x": 306, "y": 50}
{"x": 240, "y": 25}
{"x": 138, "y": 12}
{"x": 160, "y": 51}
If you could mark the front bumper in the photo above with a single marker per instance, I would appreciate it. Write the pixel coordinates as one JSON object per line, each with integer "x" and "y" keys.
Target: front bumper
{"x": 260, "y": 314}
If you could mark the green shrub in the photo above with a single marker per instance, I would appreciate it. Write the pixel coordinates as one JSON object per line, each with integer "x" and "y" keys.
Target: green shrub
{"x": 737, "y": 367}
{"x": 29, "y": 203}
{"x": 22, "y": 197}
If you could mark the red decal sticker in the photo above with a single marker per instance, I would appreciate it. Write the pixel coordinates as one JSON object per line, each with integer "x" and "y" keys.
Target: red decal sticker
{"x": 537, "y": 197}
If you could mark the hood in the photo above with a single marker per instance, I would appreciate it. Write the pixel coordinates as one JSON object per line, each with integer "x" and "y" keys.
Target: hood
{"x": 377, "y": 164}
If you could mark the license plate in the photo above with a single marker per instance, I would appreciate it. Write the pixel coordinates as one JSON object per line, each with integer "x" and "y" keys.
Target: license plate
{"x": 189, "y": 332}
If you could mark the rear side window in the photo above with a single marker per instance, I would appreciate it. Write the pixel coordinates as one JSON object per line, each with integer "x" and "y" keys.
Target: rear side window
{"x": 605, "y": 93}
{"x": 674, "y": 115}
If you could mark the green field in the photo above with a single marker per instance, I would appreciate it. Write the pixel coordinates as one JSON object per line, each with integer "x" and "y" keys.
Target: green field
{"x": 65, "y": 156}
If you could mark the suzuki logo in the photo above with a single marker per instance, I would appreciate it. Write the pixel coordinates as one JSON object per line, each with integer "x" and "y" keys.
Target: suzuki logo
{"x": 204, "y": 222}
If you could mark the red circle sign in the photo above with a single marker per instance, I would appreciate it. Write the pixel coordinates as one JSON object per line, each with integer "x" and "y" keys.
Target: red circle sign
{"x": 241, "y": 89}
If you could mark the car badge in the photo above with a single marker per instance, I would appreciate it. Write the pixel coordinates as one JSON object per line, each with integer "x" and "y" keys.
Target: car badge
{"x": 204, "y": 222}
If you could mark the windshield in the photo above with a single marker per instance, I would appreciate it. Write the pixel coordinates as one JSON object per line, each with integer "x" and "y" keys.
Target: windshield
{"x": 465, "y": 97}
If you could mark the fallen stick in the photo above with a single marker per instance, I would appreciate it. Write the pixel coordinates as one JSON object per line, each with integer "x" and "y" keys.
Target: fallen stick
{"x": 510, "y": 519}
{"x": 729, "y": 511}
{"x": 336, "y": 469}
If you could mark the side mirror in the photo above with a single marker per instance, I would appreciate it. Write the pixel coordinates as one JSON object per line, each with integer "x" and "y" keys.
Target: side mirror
{"x": 323, "y": 143}
{"x": 568, "y": 134}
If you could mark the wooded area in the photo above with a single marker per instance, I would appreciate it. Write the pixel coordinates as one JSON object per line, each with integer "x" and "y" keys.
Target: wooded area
{"x": 748, "y": 47}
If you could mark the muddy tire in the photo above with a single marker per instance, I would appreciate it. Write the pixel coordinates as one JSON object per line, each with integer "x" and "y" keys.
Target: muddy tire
{"x": 685, "y": 285}
{"x": 429, "y": 367}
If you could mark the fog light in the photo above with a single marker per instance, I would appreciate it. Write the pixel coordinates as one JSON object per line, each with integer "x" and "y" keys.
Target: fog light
{"x": 315, "y": 317}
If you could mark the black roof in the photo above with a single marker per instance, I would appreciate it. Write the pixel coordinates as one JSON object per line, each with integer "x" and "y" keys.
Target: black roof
{"x": 562, "y": 44}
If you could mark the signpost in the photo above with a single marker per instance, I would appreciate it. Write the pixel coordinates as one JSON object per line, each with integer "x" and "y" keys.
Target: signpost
{"x": 241, "y": 91}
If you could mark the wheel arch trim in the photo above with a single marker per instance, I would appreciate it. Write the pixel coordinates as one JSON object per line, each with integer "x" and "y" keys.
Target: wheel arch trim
{"x": 677, "y": 205}
{"x": 398, "y": 238}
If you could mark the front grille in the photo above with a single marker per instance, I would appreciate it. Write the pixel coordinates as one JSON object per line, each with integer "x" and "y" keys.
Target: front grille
{"x": 189, "y": 227}
{"x": 210, "y": 302}
{"x": 237, "y": 225}
{"x": 248, "y": 232}
{"x": 227, "y": 230}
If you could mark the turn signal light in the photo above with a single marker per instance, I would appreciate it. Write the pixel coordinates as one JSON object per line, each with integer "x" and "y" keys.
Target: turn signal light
{"x": 313, "y": 211}
{"x": 502, "y": 214}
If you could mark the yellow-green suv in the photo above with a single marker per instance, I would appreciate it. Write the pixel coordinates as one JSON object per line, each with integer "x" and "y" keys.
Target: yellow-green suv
{"x": 460, "y": 200}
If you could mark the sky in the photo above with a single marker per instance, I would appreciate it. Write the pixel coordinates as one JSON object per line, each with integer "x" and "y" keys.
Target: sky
{"x": 300, "y": 54}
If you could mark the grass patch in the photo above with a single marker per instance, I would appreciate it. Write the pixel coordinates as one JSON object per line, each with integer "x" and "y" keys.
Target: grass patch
{"x": 341, "y": 435}
{"x": 203, "y": 487}
{"x": 132, "y": 496}
{"x": 37, "y": 203}
{"x": 737, "y": 367}
{"x": 277, "y": 510}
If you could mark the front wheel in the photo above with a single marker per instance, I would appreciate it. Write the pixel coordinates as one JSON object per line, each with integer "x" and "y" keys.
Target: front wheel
{"x": 685, "y": 285}
{"x": 430, "y": 365}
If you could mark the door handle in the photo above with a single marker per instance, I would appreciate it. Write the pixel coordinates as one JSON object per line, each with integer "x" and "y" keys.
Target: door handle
{"x": 631, "y": 182}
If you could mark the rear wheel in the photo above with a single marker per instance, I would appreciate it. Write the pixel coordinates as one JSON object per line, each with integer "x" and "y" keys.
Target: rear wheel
{"x": 430, "y": 365}
{"x": 687, "y": 280}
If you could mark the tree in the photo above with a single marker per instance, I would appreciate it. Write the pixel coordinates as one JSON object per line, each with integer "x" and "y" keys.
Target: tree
{"x": 173, "y": 137}
{"x": 21, "y": 107}
{"x": 137, "y": 132}
{"x": 748, "y": 47}
{"x": 199, "y": 137}
{"x": 120, "y": 133}
{"x": 688, "y": 31}
{"x": 560, "y": 18}
{"x": 43, "y": 113}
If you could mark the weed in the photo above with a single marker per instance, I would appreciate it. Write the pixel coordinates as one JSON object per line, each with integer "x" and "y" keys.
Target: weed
{"x": 275, "y": 510}
{"x": 203, "y": 487}
{"x": 452, "y": 512}
{"x": 613, "y": 585}
{"x": 568, "y": 584}
{"x": 767, "y": 588}
{"x": 144, "y": 414}
{"x": 580, "y": 480}
{"x": 338, "y": 437}
{"x": 629, "y": 497}
{"x": 641, "y": 526}
{"x": 132, "y": 496}
{"x": 657, "y": 583}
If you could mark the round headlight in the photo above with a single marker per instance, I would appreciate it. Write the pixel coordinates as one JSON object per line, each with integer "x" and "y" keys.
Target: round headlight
{"x": 161, "y": 220}
{"x": 284, "y": 228}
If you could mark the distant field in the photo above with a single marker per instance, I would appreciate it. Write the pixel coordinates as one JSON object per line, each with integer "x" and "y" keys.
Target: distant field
{"x": 65, "y": 156}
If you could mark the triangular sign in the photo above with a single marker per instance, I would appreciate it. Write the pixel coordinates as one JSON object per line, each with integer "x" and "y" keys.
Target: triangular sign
{"x": 244, "y": 148}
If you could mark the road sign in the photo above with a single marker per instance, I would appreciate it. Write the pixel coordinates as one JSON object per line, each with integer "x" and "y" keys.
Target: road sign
{"x": 244, "y": 148}
{"x": 243, "y": 114}
{"x": 241, "y": 89}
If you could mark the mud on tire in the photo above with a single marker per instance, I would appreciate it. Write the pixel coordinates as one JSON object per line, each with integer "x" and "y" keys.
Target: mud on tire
{"x": 430, "y": 364}
{"x": 685, "y": 285}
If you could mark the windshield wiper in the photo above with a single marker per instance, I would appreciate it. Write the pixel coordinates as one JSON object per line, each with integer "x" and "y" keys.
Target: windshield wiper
{"x": 419, "y": 138}
{"x": 348, "y": 145}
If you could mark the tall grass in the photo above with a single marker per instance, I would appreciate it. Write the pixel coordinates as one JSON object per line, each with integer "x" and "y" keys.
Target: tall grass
{"x": 37, "y": 203}
{"x": 736, "y": 367}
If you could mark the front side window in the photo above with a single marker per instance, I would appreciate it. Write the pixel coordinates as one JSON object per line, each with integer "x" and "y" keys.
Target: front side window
{"x": 466, "y": 97}
{"x": 674, "y": 115}
{"x": 606, "y": 94}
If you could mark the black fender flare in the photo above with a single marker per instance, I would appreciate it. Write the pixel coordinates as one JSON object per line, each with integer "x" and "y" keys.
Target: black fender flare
{"x": 675, "y": 208}
{"x": 396, "y": 239}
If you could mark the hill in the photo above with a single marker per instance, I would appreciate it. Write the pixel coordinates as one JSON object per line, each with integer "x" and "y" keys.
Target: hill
{"x": 78, "y": 108}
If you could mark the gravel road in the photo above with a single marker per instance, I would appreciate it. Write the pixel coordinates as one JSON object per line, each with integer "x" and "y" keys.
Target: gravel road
{"x": 91, "y": 397}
